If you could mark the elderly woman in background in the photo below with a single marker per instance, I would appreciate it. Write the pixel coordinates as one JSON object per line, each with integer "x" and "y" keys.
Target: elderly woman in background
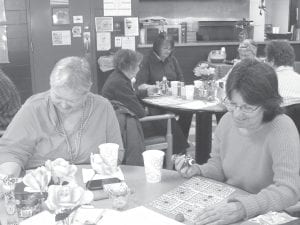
{"x": 256, "y": 148}
{"x": 118, "y": 87}
{"x": 68, "y": 121}
{"x": 159, "y": 63}
{"x": 281, "y": 55}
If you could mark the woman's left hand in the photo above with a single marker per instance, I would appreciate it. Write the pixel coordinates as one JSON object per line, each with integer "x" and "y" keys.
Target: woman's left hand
{"x": 222, "y": 214}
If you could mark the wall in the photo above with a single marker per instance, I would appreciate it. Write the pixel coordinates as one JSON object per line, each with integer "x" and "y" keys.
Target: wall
{"x": 194, "y": 8}
{"x": 18, "y": 49}
{"x": 278, "y": 14}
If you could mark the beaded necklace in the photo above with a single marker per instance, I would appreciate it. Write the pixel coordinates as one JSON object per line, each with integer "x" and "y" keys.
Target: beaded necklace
{"x": 88, "y": 106}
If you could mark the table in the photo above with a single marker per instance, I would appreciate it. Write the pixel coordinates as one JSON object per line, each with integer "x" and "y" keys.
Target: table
{"x": 203, "y": 111}
{"x": 143, "y": 192}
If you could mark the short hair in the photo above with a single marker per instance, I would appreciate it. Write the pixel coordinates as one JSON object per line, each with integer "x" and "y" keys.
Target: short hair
{"x": 126, "y": 59}
{"x": 258, "y": 85}
{"x": 248, "y": 45}
{"x": 280, "y": 52}
{"x": 72, "y": 72}
{"x": 161, "y": 40}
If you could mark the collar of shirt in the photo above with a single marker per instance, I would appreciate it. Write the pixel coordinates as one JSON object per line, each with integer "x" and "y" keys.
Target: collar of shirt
{"x": 282, "y": 68}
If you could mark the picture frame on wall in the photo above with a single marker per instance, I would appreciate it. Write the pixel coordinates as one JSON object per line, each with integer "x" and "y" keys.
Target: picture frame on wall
{"x": 60, "y": 16}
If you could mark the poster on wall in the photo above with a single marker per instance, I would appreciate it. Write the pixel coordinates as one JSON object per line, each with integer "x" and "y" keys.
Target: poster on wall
{"x": 3, "y": 45}
{"x": 2, "y": 11}
{"x": 60, "y": 16}
{"x": 61, "y": 37}
{"x": 103, "y": 41}
{"x": 104, "y": 24}
{"x": 117, "y": 7}
{"x": 128, "y": 43}
{"x": 131, "y": 26}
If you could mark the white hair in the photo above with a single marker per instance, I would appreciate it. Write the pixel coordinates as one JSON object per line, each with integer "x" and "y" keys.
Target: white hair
{"x": 72, "y": 72}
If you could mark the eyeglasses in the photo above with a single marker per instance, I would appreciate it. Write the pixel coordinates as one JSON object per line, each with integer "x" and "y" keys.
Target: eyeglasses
{"x": 244, "y": 108}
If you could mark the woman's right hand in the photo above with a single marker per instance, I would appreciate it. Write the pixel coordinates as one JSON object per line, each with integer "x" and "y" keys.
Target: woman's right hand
{"x": 184, "y": 169}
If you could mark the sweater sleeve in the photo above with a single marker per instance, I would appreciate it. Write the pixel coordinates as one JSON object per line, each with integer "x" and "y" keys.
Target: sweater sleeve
{"x": 178, "y": 70}
{"x": 128, "y": 97}
{"x": 213, "y": 168}
{"x": 284, "y": 192}
{"x": 17, "y": 143}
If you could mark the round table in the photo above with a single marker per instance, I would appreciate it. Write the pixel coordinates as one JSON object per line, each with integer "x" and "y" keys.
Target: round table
{"x": 203, "y": 119}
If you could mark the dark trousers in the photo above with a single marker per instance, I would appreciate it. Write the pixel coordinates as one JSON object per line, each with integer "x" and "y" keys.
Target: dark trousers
{"x": 159, "y": 128}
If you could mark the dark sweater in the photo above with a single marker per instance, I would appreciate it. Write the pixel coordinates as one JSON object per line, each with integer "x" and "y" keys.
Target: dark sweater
{"x": 118, "y": 87}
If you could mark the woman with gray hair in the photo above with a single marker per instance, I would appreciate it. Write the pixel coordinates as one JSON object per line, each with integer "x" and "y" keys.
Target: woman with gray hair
{"x": 68, "y": 121}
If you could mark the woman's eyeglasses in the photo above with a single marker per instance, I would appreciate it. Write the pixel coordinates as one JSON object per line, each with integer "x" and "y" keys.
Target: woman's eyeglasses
{"x": 243, "y": 108}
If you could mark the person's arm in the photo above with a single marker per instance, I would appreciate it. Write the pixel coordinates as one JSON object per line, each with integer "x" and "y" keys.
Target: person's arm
{"x": 284, "y": 148}
{"x": 178, "y": 70}
{"x": 10, "y": 168}
{"x": 125, "y": 94}
{"x": 143, "y": 79}
{"x": 213, "y": 168}
{"x": 17, "y": 143}
{"x": 113, "y": 132}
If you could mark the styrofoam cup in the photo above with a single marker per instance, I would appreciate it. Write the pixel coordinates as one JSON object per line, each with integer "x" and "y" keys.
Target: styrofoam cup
{"x": 153, "y": 162}
{"x": 109, "y": 153}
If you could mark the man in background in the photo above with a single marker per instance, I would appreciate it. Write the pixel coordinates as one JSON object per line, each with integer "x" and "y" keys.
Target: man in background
{"x": 10, "y": 100}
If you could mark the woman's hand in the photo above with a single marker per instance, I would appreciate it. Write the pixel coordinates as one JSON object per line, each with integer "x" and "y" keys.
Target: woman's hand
{"x": 185, "y": 169}
{"x": 222, "y": 214}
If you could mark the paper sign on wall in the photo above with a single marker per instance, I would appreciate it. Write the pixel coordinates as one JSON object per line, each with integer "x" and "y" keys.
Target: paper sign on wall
{"x": 2, "y": 11}
{"x": 103, "y": 41}
{"x": 76, "y": 31}
{"x": 104, "y": 24}
{"x": 118, "y": 42}
{"x": 128, "y": 43}
{"x": 131, "y": 26}
{"x": 117, "y": 7}
{"x": 77, "y": 19}
{"x": 61, "y": 37}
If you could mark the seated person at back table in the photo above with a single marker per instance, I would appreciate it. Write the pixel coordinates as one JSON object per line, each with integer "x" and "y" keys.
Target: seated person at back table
{"x": 10, "y": 101}
{"x": 158, "y": 63}
{"x": 281, "y": 55}
{"x": 255, "y": 148}
{"x": 118, "y": 87}
{"x": 68, "y": 122}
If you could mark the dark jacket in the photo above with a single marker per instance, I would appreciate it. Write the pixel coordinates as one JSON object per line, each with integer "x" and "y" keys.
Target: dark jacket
{"x": 132, "y": 134}
{"x": 118, "y": 87}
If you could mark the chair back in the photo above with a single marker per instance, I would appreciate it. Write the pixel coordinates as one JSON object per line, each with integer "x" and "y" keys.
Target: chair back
{"x": 293, "y": 111}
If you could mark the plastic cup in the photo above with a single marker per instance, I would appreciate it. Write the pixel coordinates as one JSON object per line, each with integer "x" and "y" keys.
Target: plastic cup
{"x": 198, "y": 83}
{"x": 189, "y": 92}
{"x": 109, "y": 153}
{"x": 275, "y": 30}
{"x": 174, "y": 88}
{"x": 153, "y": 162}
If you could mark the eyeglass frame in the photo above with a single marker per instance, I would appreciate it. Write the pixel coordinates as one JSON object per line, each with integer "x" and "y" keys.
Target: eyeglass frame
{"x": 232, "y": 106}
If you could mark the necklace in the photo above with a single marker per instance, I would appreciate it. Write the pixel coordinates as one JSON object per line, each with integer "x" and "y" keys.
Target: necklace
{"x": 73, "y": 152}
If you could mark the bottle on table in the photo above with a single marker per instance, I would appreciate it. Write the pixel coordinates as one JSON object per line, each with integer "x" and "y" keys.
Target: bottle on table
{"x": 164, "y": 85}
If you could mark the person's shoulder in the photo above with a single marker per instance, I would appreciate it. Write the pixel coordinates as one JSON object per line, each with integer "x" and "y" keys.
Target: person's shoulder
{"x": 283, "y": 124}
{"x": 37, "y": 99}
{"x": 99, "y": 100}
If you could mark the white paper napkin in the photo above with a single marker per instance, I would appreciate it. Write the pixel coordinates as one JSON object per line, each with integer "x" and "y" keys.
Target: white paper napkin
{"x": 87, "y": 174}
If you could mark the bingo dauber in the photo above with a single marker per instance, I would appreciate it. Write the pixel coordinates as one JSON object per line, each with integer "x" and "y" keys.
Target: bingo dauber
{"x": 188, "y": 160}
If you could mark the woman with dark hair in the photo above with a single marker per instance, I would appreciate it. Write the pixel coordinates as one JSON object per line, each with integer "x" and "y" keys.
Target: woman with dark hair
{"x": 159, "y": 63}
{"x": 281, "y": 55}
{"x": 256, "y": 148}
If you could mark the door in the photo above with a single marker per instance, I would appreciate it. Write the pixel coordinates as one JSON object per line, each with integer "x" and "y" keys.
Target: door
{"x": 44, "y": 54}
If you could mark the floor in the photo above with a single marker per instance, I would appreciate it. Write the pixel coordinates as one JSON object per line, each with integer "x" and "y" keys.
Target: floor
{"x": 191, "y": 139}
